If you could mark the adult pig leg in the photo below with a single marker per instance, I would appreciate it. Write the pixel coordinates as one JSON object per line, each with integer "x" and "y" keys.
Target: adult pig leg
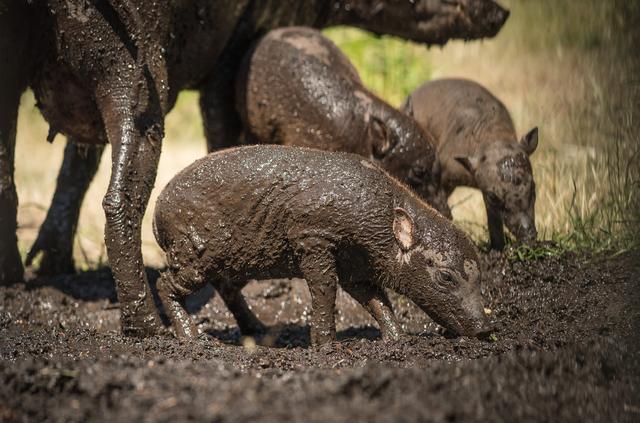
{"x": 55, "y": 238}
{"x": 136, "y": 137}
{"x": 222, "y": 124}
{"x": 496, "y": 230}
{"x": 14, "y": 71}
{"x": 11, "y": 270}
{"x": 319, "y": 270}
{"x": 376, "y": 302}
{"x": 232, "y": 296}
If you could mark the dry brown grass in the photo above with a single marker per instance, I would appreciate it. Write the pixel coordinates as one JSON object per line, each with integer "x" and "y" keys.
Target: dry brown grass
{"x": 561, "y": 65}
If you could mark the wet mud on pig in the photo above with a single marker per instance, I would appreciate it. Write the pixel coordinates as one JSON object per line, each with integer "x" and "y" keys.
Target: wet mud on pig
{"x": 297, "y": 88}
{"x": 477, "y": 147}
{"x": 331, "y": 218}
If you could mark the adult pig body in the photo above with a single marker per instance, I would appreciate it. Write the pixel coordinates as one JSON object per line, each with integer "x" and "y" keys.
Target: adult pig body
{"x": 476, "y": 146}
{"x": 279, "y": 212}
{"x": 297, "y": 88}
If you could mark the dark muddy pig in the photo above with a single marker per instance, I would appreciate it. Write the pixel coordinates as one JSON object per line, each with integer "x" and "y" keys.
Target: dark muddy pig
{"x": 270, "y": 211}
{"x": 297, "y": 88}
{"x": 477, "y": 147}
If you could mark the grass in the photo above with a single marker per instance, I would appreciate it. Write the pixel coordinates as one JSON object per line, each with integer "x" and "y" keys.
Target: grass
{"x": 566, "y": 66}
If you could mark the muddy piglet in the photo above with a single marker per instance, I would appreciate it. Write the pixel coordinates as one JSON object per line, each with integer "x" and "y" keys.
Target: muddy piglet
{"x": 268, "y": 211}
{"x": 477, "y": 147}
{"x": 297, "y": 88}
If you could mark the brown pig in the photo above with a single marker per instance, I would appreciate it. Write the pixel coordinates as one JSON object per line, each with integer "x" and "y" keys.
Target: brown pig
{"x": 477, "y": 147}
{"x": 297, "y": 88}
{"x": 271, "y": 211}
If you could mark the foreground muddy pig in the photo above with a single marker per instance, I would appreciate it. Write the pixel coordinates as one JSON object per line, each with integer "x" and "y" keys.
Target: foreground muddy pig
{"x": 297, "y": 88}
{"x": 265, "y": 212}
{"x": 477, "y": 146}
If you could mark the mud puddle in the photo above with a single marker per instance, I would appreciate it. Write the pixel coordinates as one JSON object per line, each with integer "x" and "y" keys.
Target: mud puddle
{"x": 566, "y": 350}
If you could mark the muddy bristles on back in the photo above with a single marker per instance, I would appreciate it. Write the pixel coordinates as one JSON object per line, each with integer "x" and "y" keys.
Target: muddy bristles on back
{"x": 267, "y": 212}
{"x": 297, "y": 88}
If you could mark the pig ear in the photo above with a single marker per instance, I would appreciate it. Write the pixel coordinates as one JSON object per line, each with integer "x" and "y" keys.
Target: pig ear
{"x": 469, "y": 163}
{"x": 380, "y": 139}
{"x": 403, "y": 229}
{"x": 530, "y": 141}
{"x": 407, "y": 108}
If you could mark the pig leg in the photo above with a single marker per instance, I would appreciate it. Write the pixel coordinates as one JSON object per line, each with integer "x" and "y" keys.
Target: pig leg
{"x": 11, "y": 270}
{"x": 136, "y": 137}
{"x": 496, "y": 231}
{"x": 222, "y": 124}
{"x": 173, "y": 288}
{"x": 319, "y": 270}
{"x": 232, "y": 296}
{"x": 375, "y": 301}
{"x": 14, "y": 74}
{"x": 55, "y": 238}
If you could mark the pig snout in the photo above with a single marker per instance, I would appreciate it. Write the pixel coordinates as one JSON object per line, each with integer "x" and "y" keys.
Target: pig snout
{"x": 478, "y": 324}
{"x": 523, "y": 227}
{"x": 488, "y": 14}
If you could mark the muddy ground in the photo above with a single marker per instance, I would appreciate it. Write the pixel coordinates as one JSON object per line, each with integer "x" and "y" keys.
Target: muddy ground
{"x": 566, "y": 350}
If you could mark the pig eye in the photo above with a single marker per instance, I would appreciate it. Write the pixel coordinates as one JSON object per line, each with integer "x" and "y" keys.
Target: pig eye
{"x": 418, "y": 173}
{"x": 446, "y": 276}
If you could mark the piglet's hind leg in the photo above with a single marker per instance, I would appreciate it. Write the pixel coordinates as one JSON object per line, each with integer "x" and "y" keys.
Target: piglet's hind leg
{"x": 172, "y": 291}
{"x": 232, "y": 296}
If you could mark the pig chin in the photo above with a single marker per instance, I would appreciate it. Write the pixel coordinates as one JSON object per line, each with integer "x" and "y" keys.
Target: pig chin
{"x": 465, "y": 326}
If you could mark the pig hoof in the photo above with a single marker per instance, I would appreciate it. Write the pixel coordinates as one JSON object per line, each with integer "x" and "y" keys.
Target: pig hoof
{"x": 56, "y": 259}
{"x": 11, "y": 272}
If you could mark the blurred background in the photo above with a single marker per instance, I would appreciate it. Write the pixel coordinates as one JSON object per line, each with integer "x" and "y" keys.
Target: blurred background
{"x": 566, "y": 66}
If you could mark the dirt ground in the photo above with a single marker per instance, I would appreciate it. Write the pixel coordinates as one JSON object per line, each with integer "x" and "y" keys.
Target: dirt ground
{"x": 566, "y": 349}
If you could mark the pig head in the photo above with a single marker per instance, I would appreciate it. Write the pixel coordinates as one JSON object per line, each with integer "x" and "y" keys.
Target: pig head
{"x": 426, "y": 21}
{"x": 438, "y": 269}
{"x": 502, "y": 171}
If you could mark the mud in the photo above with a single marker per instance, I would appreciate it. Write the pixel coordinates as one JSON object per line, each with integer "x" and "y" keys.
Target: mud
{"x": 566, "y": 350}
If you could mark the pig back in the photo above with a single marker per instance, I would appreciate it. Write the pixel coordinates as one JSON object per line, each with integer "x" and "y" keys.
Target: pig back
{"x": 296, "y": 88}
{"x": 247, "y": 203}
{"x": 460, "y": 114}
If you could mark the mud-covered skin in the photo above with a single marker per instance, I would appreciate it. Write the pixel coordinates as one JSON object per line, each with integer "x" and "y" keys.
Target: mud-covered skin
{"x": 211, "y": 27}
{"x": 266, "y": 212}
{"x": 477, "y": 147}
{"x": 297, "y": 88}
{"x": 109, "y": 71}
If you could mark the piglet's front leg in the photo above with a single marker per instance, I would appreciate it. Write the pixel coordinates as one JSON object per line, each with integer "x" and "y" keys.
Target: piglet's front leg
{"x": 318, "y": 267}
{"x": 496, "y": 229}
{"x": 376, "y": 302}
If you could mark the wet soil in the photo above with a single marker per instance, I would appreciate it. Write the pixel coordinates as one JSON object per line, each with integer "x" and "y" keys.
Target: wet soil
{"x": 566, "y": 349}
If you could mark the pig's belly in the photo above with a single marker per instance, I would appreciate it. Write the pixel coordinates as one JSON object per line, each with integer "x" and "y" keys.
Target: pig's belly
{"x": 69, "y": 108}
{"x": 244, "y": 265}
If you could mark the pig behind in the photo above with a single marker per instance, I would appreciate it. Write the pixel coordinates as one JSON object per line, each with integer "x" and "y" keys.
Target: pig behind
{"x": 477, "y": 147}
{"x": 333, "y": 218}
{"x": 297, "y": 88}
